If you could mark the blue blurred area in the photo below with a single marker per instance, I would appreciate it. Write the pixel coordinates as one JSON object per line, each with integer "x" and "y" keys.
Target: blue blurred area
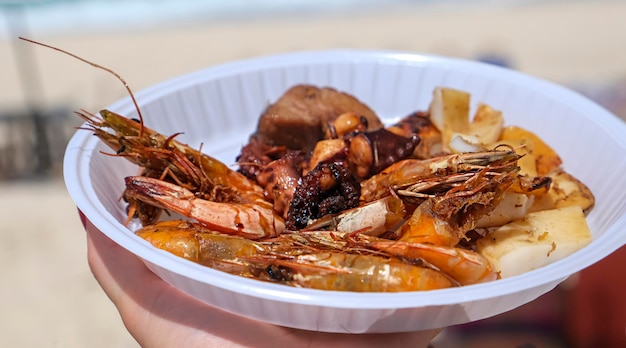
{"x": 54, "y": 16}
{"x": 66, "y": 15}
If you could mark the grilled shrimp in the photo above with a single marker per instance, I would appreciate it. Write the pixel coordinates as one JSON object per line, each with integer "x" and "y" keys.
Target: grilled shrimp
{"x": 413, "y": 176}
{"x": 352, "y": 272}
{"x": 169, "y": 159}
{"x": 163, "y": 157}
{"x": 253, "y": 221}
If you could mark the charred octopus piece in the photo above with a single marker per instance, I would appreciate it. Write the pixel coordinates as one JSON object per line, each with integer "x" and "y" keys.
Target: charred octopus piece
{"x": 275, "y": 168}
{"x": 371, "y": 152}
{"x": 280, "y": 178}
{"x": 419, "y": 123}
{"x": 256, "y": 155}
{"x": 327, "y": 189}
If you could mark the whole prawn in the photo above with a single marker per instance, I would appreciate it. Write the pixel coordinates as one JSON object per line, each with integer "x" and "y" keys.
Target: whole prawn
{"x": 310, "y": 261}
{"x": 164, "y": 158}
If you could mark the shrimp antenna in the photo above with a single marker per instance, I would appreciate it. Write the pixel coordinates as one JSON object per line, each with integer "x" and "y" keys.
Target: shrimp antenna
{"x": 132, "y": 96}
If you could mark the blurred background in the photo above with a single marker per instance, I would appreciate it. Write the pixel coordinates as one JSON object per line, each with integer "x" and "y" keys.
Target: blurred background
{"x": 48, "y": 297}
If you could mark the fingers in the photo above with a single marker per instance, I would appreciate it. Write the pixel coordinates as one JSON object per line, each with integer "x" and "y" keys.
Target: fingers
{"x": 141, "y": 297}
{"x": 97, "y": 245}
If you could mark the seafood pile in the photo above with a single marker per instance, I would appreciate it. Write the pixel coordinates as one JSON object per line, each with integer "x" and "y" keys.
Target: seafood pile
{"x": 326, "y": 196}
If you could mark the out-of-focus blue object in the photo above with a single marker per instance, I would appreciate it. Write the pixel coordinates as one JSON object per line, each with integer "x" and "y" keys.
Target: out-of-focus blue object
{"x": 495, "y": 59}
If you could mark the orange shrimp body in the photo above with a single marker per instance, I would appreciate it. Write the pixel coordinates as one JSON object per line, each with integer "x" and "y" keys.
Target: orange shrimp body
{"x": 424, "y": 227}
{"x": 199, "y": 244}
{"x": 465, "y": 266}
{"x": 355, "y": 272}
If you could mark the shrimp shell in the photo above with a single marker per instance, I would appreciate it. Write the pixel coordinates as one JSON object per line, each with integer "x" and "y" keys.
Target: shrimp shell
{"x": 355, "y": 272}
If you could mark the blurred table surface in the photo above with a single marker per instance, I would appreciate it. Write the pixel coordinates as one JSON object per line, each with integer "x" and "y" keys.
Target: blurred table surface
{"x": 49, "y": 298}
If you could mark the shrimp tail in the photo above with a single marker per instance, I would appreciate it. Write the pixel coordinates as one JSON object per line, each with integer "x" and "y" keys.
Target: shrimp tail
{"x": 465, "y": 266}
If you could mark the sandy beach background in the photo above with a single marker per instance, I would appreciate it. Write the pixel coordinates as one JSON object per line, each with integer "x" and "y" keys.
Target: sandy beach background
{"x": 48, "y": 297}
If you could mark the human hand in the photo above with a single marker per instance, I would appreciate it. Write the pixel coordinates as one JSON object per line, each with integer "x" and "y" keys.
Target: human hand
{"x": 158, "y": 315}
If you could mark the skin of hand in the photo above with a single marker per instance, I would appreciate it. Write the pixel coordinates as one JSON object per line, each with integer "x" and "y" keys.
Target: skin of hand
{"x": 158, "y": 315}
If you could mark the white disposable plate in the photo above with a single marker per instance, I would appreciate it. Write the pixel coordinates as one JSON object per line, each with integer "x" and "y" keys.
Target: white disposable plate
{"x": 218, "y": 107}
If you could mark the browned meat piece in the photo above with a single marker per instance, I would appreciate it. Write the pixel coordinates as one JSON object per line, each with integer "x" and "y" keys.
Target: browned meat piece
{"x": 300, "y": 117}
